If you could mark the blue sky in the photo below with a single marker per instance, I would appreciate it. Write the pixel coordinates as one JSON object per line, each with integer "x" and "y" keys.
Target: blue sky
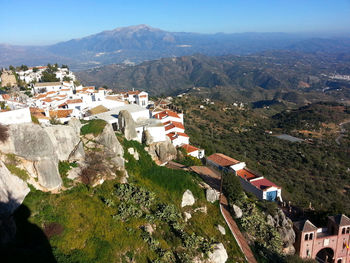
{"x": 50, "y": 21}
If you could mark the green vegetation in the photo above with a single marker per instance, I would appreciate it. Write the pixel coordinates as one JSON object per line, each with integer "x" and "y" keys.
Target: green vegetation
{"x": 94, "y": 126}
{"x": 232, "y": 188}
{"x": 315, "y": 172}
{"x": 185, "y": 159}
{"x": 136, "y": 222}
{"x": 34, "y": 119}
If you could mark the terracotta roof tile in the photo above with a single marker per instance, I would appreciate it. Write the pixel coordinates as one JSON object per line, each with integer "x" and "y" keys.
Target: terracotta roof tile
{"x": 60, "y": 113}
{"x": 189, "y": 148}
{"x": 74, "y": 101}
{"x": 263, "y": 183}
{"x": 222, "y": 159}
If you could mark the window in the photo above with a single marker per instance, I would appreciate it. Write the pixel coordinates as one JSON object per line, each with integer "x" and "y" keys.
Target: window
{"x": 348, "y": 230}
{"x": 311, "y": 236}
{"x": 343, "y": 230}
{"x": 339, "y": 261}
{"x": 308, "y": 253}
{"x": 306, "y": 237}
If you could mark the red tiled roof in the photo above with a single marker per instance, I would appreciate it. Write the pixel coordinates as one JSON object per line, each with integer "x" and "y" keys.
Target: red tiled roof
{"x": 263, "y": 184}
{"x": 246, "y": 174}
{"x": 189, "y": 148}
{"x": 73, "y": 101}
{"x": 166, "y": 113}
{"x": 222, "y": 159}
{"x": 143, "y": 96}
{"x": 174, "y": 135}
{"x": 6, "y": 96}
{"x": 36, "y": 110}
{"x": 174, "y": 124}
{"x": 60, "y": 113}
{"x": 47, "y": 100}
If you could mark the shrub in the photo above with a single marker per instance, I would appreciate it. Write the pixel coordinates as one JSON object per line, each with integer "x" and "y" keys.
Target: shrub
{"x": 231, "y": 187}
{"x": 3, "y": 133}
{"x": 94, "y": 126}
{"x": 34, "y": 119}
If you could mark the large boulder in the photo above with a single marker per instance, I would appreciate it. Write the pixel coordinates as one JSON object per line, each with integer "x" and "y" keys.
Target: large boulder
{"x": 13, "y": 190}
{"x": 75, "y": 124}
{"x": 218, "y": 255}
{"x": 162, "y": 152}
{"x": 212, "y": 195}
{"x": 127, "y": 125}
{"x": 33, "y": 144}
{"x": 284, "y": 227}
{"x": 109, "y": 140}
{"x": 47, "y": 173}
{"x": 64, "y": 139}
{"x": 187, "y": 199}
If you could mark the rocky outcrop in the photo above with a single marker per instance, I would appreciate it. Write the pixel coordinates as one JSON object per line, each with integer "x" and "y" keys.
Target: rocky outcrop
{"x": 108, "y": 139}
{"x": 188, "y": 216}
{"x": 218, "y": 255}
{"x": 127, "y": 125}
{"x": 32, "y": 143}
{"x": 134, "y": 153}
{"x": 212, "y": 195}
{"x": 75, "y": 124}
{"x": 237, "y": 211}
{"x": 13, "y": 190}
{"x": 162, "y": 152}
{"x": 187, "y": 199}
{"x": 65, "y": 139}
{"x": 285, "y": 228}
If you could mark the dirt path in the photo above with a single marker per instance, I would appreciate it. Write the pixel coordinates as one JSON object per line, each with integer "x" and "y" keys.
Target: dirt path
{"x": 342, "y": 132}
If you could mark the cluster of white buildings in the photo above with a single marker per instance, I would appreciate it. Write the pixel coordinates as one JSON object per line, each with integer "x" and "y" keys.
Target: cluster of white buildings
{"x": 60, "y": 101}
{"x": 34, "y": 74}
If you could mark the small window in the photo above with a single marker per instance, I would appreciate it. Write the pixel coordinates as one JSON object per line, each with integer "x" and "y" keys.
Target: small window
{"x": 339, "y": 261}
{"x": 311, "y": 236}
{"x": 308, "y": 254}
{"x": 306, "y": 237}
{"x": 343, "y": 230}
{"x": 348, "y": 230}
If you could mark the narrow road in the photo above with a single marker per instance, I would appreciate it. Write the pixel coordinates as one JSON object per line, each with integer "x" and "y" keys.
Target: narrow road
{"x": 342, "y": 132}
{"x": 213, "y": 179}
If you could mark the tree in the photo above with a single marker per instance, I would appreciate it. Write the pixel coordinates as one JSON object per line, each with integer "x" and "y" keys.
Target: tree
{"x": 12, "y": 68}
{"x": 66, "y": 78}
{"x": 231, "y": 187}
{"x": 49, "y": 77}
{"x": 35, "y": 69}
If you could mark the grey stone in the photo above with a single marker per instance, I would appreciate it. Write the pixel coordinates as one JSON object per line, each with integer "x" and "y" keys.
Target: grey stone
{"x": 47, "y": 172}
{"x": 237, "y": 211}
{"x": 221, "y": 229}
{"x": 187, "y": 199}
{"x": 127, "y": 125}
{"x": 134, "y": 153}
{"x": 188, "y": 216}
{"x": 218, "y": 255}
{"x": 162, "y": 152}
{"x": 13, "y": 190}
{"x": 75, "y": 124}
{"x": 64, "y": 139}
{"x": 212, "y": 195}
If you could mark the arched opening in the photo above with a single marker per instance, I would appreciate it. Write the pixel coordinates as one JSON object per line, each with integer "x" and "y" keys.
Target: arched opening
{"x": 325, "y": 255}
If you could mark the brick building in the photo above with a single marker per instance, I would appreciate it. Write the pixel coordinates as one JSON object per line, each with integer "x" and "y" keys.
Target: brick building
{"x": 330, "y": 244}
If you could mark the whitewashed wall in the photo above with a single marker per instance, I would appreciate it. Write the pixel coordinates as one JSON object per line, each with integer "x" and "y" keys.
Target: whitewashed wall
{"x": 15, "y": 116}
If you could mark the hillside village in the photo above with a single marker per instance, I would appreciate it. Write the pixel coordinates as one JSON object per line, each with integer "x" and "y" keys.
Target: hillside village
{"x": 157, "y": 124}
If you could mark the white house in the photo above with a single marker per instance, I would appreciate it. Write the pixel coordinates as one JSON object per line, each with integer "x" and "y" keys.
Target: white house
{"x": 178, "y": 138}
{"x": 193, "y": 151}
{"x": 15, "y": 116}
{"x": 169, "y": 115}
{"x": 43, "y": 87}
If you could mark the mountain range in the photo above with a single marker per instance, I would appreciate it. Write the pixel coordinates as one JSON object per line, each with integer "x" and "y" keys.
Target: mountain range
{"x": 136, "y": 44}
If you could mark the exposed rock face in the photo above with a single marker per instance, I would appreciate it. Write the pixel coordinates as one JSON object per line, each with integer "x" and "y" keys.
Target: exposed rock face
{"x": 64, "y": 140}
{"x": 285, "y": 228}
{"x": 34, "y": 144}
{"x": 187, "y": 199}
{"x": 162, "y": 152}
{"x": 108, "y": 139}
{"x": 237, "y": 211}
{"x": 75, "y": 124}
{"x": 127, "y": 125}
{"x": 13, "y": 190}
{"x": 212, "y": 195}
{"x": 219, "y": 254}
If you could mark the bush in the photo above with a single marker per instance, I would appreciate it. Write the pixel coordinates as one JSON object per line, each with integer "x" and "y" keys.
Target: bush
{"x": 231, "y": 187}
{"x": 94, "y": 126}
{"x": 3, "y": 133}
{"x": 53, "y": 229}
{"x": 34, "y": 119}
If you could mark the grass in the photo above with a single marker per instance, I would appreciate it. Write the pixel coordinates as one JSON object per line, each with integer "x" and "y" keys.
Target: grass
{"x": 17, "y": 171}
{"x": 94, "y": 126}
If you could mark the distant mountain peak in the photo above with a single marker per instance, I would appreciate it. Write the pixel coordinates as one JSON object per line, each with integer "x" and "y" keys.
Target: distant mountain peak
{"x": 136, "y": 28}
